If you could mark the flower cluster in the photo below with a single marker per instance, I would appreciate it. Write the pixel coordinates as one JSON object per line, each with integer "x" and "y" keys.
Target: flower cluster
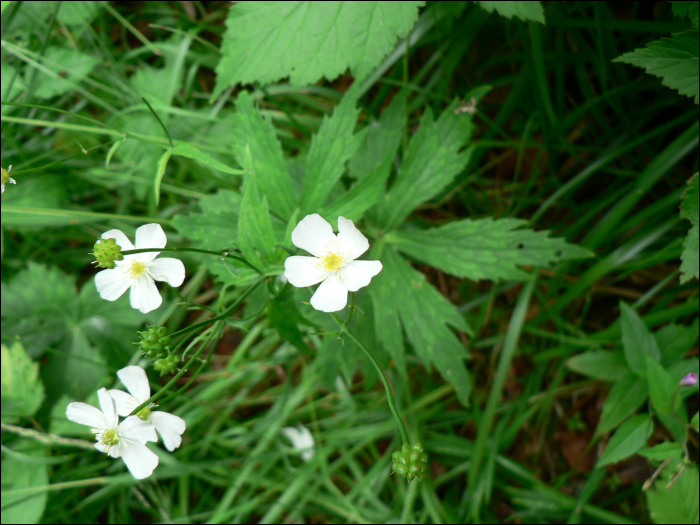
{"x": 128, "y": 439}
{"x": 333, "y": 263}
{"x": 138, "y": 271}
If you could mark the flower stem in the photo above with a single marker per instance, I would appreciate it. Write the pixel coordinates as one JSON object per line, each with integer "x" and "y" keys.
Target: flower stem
{"x": 195, "y": 250}
{"x": 389, "y": 395}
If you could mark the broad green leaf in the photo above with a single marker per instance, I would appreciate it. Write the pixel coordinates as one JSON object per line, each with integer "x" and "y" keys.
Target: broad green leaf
{"x": 695, "y": 421}
{"x": 79, "y": 13}
{"x": 256, "y": 238}
{"x": 662, "y": 451}
{"x": 17, "y": 475}
{"x": 628, "y": 439}
{"x": 485, "y": 248}
{"x": 677, "y": 503}
{"x": 673, "y": 59}
{"x": 674, "y": 341}
{"x": 637, "y": 340}
{"x": 687, "y": 9}
{"x": 599, "y": 364}
{"x": 70, "y": 67}
{"x": 371, "y": 164}
{"x": 661, "y": 386}
{"x": 216, "y": 226}
{"x": 266, "y": 41}
{"x": 250, "y": 130}
{"x": 523, "y": 10}
{"x": 433, "y": 159}
{"x": 627, "y": 394}
{"x": 424, "y": 314}
{"x": 691, "y": 246}
{"x": 330, "y": 149}
{"x": 22, "y": 391}
{"x": 185, "y": 149}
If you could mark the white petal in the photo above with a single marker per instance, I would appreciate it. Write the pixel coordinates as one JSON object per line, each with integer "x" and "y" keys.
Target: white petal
{"x": 150, "y": 236}
{"x": 303, "y": 271}
{"x": 111, "y": 284}
{"x": 122, "y": 240}
{"x": 86, "y": 415}
{"x": 140, "y": 461}
{"x": 107, "y": 404}
{"x": 145, "y": 295}
{"x": 170, "y": 427}
{"x": 301, "y": 439}
{"x": 313, "y": 234}
{"x": 169, "y": 270}
{"x": 135, "y": 380}
{"x": 136, "y": 429}
{"x": 358, "y": 274}
{"x": 331, "y": 296}
{"x": 125, "y": 403}
{"x": 352, "y": 242}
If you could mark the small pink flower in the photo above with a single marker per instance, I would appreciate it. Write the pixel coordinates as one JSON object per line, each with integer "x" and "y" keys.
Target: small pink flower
{"x": 690, "y": 379}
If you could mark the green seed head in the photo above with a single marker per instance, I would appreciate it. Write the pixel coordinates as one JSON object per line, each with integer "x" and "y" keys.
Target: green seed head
{"x": 411, "y": 462}
{"x": 155, "y": 343}
{"x": 167, "y": 365}
{"x": 107, "y": 251}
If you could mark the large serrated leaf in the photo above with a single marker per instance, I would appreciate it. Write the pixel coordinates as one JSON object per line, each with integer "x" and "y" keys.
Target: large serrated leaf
{"x": 690, "y": 267}
{"x": 673, "y": 59}
{"x": 330, "y": 149}
{"x": 628, "y": 439}
{"x": 22, "y": 391}
{"x": 432, "y": 160}
{"x": 251, "y": 130}
{"x": 523, "y": 10}
{"x": 485, "y": 248}
{"x": 401, "y": 292}
{"x": 266, "y": 41}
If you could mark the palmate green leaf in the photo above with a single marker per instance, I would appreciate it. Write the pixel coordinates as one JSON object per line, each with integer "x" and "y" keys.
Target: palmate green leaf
{"x": 691, "y": 246}
{"x": 599, "y": 364}
{"x": 628, "y": 439}
{"x": 485, "y": 248}
{"x": 251, "y": 130}
{"x": 627, "y": 394}
{"x": 424, "y": 314}
{"x": 637, "y": 341}
{"x": 432, "y": 160}
{"x": 523, "y": 10}
{"x": 330, "y": 149}
{"x": 24, "y": 472}
{"x": 674, "y": 59}
{"x": 216, "y": 226}
{"x": 22, "y": 391}
{"x": 266, "y": 41}
{"x": 678, "y": 503}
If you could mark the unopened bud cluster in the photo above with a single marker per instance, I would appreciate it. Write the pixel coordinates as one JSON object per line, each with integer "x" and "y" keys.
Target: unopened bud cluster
{"x": 106, "y": 252}
{"x": 411, "y": 462}
{"x": 155, "y": 342}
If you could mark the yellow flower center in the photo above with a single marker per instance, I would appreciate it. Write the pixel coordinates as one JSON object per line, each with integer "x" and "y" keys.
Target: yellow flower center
{"x": 110, "y": 438}
{"x": 332, "y": 262}
{"x": 137, "y": 269}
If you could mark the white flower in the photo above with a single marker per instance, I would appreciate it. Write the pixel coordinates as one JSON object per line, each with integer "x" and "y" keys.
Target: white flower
{"x": 169, "y": 426}
{"x": 333, "y": 263}
{"x": 301, "y": 439}
{"x": 138, "y": 271}
{"x": 6, "y": 179}
{"x": 126, "y": 440}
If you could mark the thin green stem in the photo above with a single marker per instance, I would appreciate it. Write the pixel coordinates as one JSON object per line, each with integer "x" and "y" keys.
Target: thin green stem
{"x": 159, "y": 122}
{"x": 195, "y": 250}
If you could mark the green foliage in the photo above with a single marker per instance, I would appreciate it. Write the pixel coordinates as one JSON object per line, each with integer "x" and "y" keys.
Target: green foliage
{"x": 486, "y": 248}
{"x": 677, "y": 503}
{"x": 689, "y": 210}
{"x": 637, "y": 341}
{"x": 674, "y": 59}
{"x": 22, "y": 391}
{"x": 217, "y": 223}
{"x": 688, "y": 9}
{"x": 628, "y": 439}
{"x": 266, "y": 41}
{"x": 256, "y": 239}
{"x": 626, "y": 395}
{"x": 66, "y": 68}
{"x": 661, "y": 386}
{"x": 523, "y": 10}
{"x": 24, "y": 469}
{"x": 599, "y": 364}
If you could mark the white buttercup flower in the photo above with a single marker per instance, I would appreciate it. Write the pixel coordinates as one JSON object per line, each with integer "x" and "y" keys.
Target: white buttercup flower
{"x": 301, "y": 439}
{"x": 126, "y": 440}
{"x": 138, "y": 271}
{"x": 333, "y": 263}
{"x": 169, "y": 426}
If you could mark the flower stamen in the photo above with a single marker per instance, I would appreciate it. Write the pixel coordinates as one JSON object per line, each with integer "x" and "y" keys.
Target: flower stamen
{"x": 137, "y": 269}
{"x": 332, "y": 262}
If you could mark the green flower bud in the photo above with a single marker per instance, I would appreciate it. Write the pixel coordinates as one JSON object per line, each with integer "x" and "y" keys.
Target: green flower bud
{"x": 107, "y": 251}
{"x": 155, "y": 343}
{"x": 411, "y": 462}
{"x": 167, "y": 365}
